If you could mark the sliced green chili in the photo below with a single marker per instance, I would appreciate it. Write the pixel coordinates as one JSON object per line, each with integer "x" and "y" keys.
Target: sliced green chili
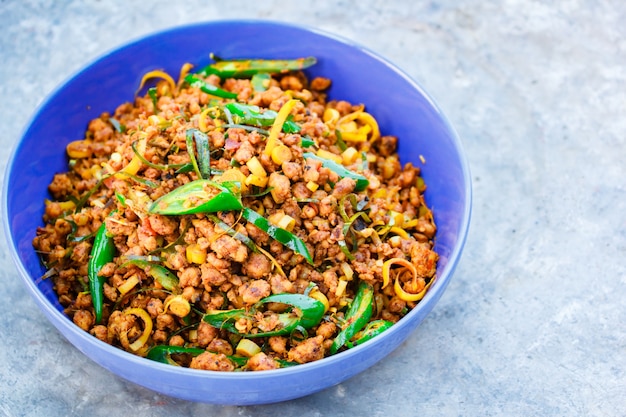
{"x": 202, "y": 164}
{"x": 340, "y": 143}
{"x": 285, "y": 237}
{"x": 152, "y": 92}
{"x": 304, "y": 311}
{"x": 194, "y": 197}
{"x": 361, "y": 181}
{"x": 260, "y": 81}
{"x": 357, "y": 316}
{"x": 234, "y": 233}
{"x": 150, "y": 164}
{"x": 247, "y": 114}
{"x": 290, "y": 126}
{"x": 307, "y": 142}
{"x": 373, "y": 329}
{"x": 102, "y": 252}
{"x": 245, "y": 127}
{"x": 196, "y": 82}
{"x": 245, "y": 68}
{"x": 250, "y": 114}
{"x": 161, "y": 274}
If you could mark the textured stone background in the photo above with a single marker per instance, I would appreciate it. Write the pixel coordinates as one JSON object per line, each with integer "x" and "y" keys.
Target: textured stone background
{"x": 533, "y": 322}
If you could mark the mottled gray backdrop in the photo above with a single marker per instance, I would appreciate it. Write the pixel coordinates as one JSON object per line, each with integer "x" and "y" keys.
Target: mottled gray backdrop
{"x": 532, "y": 324}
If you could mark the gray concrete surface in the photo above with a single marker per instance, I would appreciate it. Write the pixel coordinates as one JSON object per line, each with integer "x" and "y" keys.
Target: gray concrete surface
{"x": 533, "y": 323}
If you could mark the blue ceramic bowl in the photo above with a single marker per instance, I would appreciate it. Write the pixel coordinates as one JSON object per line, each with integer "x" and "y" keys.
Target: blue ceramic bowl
{"x": 401, "y": 107}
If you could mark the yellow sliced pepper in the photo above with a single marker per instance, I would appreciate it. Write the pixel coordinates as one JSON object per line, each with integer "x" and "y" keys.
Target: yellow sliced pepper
{"x": 133, "y": 166}
{"x": 277, "y": 126}
{"x": 368, "y": 131}
{"x": 147, "y": 327}
{"x": 157, "y": 74}
{"x": 406, "y": 296}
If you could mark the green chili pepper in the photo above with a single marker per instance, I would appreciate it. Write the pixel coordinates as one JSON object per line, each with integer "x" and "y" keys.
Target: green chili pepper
{"x": 250, "y": 114}
{"x": 193, "y": 197}
{"x": 260, "y": 81}
{"x": 161, "y": 274}
{"x": 285, "y": 237}
{"x": 161, "y": 353}
{"x": 307, "y": 142}
{"x": 102, "y": 252}
{"x": 244, "y": 68}
{"x": 305, "y": 312}
{"x": 233, "y": 233}
{"x": 194, "y": 81}
{"x": 358, "y": 315}
{"x": 153, "y": 96}
{"x": 290, "y": 126}
{"x": 202, "y": 164}
{"x": 373, "y": 329}
{"x": 246, "y": 114}
{"x": 361, "y": 181}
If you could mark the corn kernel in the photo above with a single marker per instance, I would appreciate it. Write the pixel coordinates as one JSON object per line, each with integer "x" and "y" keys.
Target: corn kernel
{"x": 256, "y": 168}
{"x": 396, "y": 218}
{"x": 349, "y": 156}
{"x": 195, "y": 254}
{"x": 256, "y": 180}
{"x": 286, "y": 222}
{"x": 116, "y": 157}
{"x": 234, "y": 175}
{"x": 155, "y": 120}
{"x": 312, "y": 186}
{"x": 395, "y": 241}
{"x": 247, "y": 348}
{"x": 281, "y": 154}
{"x": 330, "y": 116}
{"x": 81, "y": 219}
{"x": 67, "y": 205}
{"x": 79, "y": 149}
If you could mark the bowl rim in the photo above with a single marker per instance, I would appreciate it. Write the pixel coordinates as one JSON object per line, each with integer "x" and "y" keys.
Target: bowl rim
{"x": 431, "y": 296}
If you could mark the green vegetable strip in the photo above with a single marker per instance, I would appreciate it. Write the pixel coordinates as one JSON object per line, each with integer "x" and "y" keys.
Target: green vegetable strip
{"x": 285, "y": 237}
{"x": 193, "y": 198}
{"x": 307, "y": 142}
{"x": 246, "y": 114}
{"x": 250, "y": 115}
{"x": 361, "y": 181}
{"x": 358, "y": 315}
{"x": 233, "y": 233}
{"x": 245, "y": 68}
{"x": 102, "y": 252}
{"x": 150, "y": 164}
{"x": 204, "y": 153}
{"x": 373, "y": 329}
{"x": 309, "y": 314}
{"x": 153, "y": 96}
{"x": 196, "y": 82}
{"x": 260, "y": 81}
{"x": 192, "y": 154}
{"x": 162, "y": 275}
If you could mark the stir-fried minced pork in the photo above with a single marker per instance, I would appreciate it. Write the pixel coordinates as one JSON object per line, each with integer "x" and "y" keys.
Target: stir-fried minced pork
{"x": 300, "y": 196}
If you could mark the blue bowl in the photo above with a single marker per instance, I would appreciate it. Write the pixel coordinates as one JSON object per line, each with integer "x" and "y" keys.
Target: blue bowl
{"x": 401, "y": 107}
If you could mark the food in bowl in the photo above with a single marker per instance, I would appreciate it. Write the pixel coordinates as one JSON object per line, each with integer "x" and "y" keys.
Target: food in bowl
{"x": 236, "y": 219}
